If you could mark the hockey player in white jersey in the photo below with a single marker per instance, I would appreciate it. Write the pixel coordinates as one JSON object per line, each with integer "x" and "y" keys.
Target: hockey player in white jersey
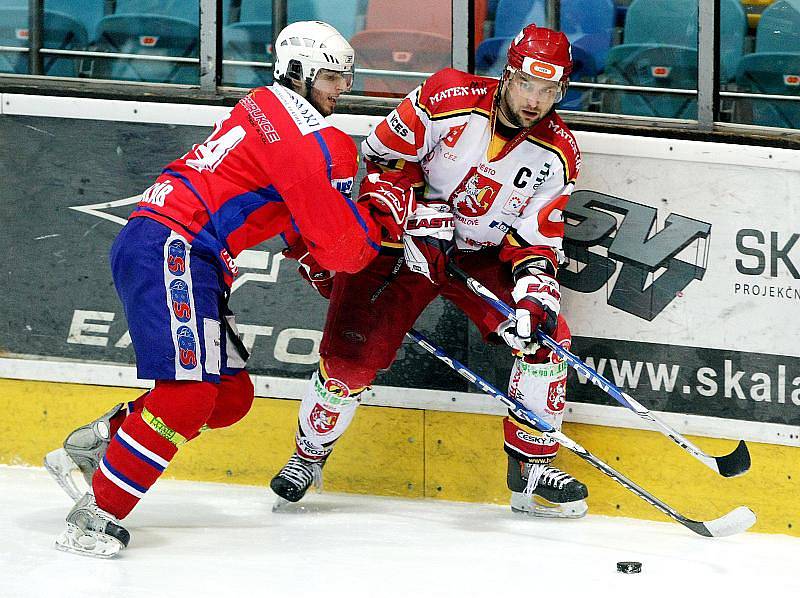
{"x": 493, "y": 166}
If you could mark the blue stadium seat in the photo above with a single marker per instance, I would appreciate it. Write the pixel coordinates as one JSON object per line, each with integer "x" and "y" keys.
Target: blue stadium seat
{"x": 774, "y": 68}
{"x": 250, "y": 38}
{"x": 147, "y": 35}
{"x": 589, "y": 25}
{"x": 247, "y": 41}
{"x": 60, "y": 32}
{"x": 87, "y": 12}
{"x": 660, "y": 50}
{"x": 342, "y": 14}
{"x": 298, "y": 10}
{"x": 182, "y": 9}
{"x": 511, "y": 16}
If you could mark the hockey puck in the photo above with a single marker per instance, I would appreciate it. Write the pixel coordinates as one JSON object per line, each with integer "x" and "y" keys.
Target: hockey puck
{"x": 629, "y": 567}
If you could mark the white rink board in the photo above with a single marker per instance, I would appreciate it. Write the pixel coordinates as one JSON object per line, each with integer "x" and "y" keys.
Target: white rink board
{"x": 732, "y": 188}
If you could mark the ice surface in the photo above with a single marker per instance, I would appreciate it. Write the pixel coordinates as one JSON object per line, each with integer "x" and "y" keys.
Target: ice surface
{"x": 199, "y": 539}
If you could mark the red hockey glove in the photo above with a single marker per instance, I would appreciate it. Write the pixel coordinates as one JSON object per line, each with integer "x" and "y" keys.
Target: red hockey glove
{"x": 429, "y": 240}
{"x": 310, "y": 270}
{"x": 537, "y": 299}
{"x": 390, "y": 199}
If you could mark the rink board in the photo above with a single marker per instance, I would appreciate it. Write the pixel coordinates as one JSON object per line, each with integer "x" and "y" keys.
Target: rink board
{"x": 416, "y": 453}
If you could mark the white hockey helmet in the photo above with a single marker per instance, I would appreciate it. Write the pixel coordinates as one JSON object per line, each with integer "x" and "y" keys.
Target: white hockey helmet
{"x": 305, "y": 47}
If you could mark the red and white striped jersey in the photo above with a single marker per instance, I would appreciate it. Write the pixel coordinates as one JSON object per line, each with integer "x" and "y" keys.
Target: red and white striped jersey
{"x": 508, "y": 193}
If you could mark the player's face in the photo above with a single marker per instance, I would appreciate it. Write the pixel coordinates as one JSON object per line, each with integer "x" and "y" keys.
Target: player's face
{"x": 527, "y": 99}
{"x": 327, "y": 87}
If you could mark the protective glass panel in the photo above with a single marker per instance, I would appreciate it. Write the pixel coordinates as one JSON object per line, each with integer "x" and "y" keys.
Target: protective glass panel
{"x": 152, "y": 41}
{"x": 769, "y": 72}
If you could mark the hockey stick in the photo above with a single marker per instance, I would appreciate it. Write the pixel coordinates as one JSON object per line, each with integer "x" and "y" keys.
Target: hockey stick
{"x": 731, "y": 523}
{"x": 730, "y": 465}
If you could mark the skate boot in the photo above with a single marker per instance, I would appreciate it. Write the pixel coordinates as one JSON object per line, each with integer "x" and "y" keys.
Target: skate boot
{"x": 82, "y": 451}
{"x": 541, "y": 490}
{"x": 295, "y": 478}
{"x": 91, "y": 531}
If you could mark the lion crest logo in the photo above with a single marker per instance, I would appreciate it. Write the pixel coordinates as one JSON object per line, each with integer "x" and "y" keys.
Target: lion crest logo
{"x": 475, "y": 194}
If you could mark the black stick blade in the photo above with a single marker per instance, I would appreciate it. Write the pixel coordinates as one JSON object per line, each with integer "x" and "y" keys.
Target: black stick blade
{"x": 735, "y": 463}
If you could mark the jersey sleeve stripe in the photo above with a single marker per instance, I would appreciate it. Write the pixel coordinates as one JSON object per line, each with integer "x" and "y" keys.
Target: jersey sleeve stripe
{"x": 324, "y": 147}
{"x": 325, "y": 152}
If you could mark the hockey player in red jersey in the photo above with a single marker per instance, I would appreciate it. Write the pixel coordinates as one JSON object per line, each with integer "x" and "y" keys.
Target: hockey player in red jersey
{"x": 494, "y": 165}
{"x": 272, "y": 166}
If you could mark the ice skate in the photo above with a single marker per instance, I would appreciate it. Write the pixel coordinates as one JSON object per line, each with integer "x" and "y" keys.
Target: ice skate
{"x": 82, "y": 451}
{"x": 91, "y": 531}
{"x": 541, "y": 490}
{"x": 295, "y": 478}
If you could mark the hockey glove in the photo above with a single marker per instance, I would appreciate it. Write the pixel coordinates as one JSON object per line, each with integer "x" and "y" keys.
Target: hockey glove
{"x": 390, "y": 198}
{"x": 537, "y": 299}
{"x": 429, "y": 240}
{"x": 310, "y": 270}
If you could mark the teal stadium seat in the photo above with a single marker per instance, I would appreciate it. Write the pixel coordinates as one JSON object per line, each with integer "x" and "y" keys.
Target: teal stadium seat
{"x": 87, "y": 12}
{"x": 774, "y": 68}
{"x": 61, "y": 32}
{"x": 660, "y": 50}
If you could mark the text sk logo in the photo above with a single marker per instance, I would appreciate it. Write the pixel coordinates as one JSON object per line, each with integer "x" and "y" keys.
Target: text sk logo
{"x": 148, "y": 41}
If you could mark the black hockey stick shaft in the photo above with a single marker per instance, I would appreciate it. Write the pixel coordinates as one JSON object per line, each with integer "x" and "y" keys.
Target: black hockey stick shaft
{"x": 730, "y": 465}
{"x": 733, "y": 522}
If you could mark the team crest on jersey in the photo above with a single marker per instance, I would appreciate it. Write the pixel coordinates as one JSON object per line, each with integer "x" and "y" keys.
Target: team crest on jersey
{"x": 556, "y": 395}
{"x": 475, "y": 194}
{"x": 322, "y": 421}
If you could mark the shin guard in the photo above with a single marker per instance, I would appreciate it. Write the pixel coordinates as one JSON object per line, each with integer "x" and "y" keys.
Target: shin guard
{"x": 542, "y": 388}
{"x": 147, "y": 441}
{"x": 326, "y": 411}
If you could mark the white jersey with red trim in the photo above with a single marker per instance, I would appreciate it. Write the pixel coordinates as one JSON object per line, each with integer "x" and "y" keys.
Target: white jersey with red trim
{"x": 514, "y": 199}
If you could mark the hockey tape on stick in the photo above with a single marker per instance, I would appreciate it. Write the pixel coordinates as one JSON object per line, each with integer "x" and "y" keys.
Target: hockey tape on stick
{"x": 731, "y": 523}
{"x": 730, "y": 465}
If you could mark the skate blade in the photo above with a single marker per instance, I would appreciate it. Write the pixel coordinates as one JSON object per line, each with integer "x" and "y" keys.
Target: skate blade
{"x": 93, "y": 544}
{"x": 281, "y": 504}
{"x": 547, "y": 510}
{"x": 61, "y": 466}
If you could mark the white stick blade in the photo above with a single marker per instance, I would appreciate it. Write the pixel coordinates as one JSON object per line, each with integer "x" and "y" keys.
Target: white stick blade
{"x": 738, "y": 520}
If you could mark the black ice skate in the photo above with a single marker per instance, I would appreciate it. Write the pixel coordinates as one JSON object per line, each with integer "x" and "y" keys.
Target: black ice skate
{"x": 295, "y": 478}
{"x": 542, "y": 490}
{"x": 91, "y": 531}
{"x": 82, "y": 451}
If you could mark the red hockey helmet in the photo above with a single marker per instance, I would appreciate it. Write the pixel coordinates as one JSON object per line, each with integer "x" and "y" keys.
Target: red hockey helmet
{"x": 542, "y": 53}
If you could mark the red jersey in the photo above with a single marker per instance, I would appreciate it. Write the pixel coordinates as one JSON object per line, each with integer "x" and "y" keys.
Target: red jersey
{"x": 502, "y": 192}
{"x": 272, "y": 166}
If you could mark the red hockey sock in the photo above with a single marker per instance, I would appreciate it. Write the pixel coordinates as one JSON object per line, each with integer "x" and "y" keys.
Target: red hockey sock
{"x": 147, "y": 441}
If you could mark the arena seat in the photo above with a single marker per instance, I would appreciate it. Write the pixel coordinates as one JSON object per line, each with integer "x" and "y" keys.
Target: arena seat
{"x": 774, "y": 68}
{"x": 588, "y": 24}
{"x": 60, "y": 32}
{"x": 247, "y": 41}
{"x": 423, "y": 44}
{"x": 146, "y": 34}
{"x": 188, "y": 10}
{"x": 660, "y": 50}
{"x": 87, "y": 12}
